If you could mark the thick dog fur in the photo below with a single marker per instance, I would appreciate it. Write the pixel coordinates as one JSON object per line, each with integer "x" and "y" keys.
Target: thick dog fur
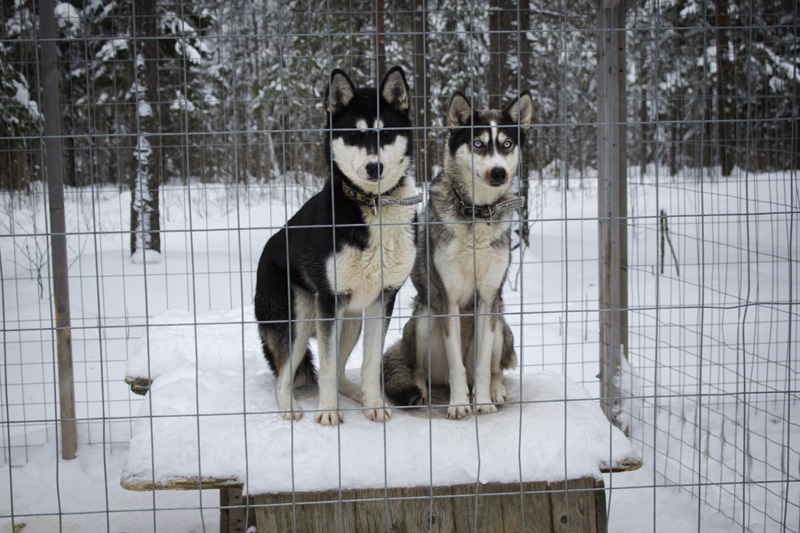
{"x": 337, "y": 259}
{"x": 461, "y": 266}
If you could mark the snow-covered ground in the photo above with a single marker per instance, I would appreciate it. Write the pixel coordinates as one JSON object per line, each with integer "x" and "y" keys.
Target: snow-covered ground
{"x": 711, "y": 347}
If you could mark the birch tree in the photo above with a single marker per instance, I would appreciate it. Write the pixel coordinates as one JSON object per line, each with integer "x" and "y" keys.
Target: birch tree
{"x": 145, "y": 224}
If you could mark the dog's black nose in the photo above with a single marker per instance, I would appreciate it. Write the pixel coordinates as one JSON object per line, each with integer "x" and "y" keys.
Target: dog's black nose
{"x": 498, "y": 175}
{"x": 374, "y": 171}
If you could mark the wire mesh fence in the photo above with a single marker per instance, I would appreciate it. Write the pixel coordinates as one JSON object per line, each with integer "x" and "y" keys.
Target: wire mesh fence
{"x": 230, "y": 99}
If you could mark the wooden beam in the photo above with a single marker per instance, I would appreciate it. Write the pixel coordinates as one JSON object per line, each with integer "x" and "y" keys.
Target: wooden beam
{"x": 141, "y": 485}
{"x": 612, "y": 206}
{"x": 58, "y": 237}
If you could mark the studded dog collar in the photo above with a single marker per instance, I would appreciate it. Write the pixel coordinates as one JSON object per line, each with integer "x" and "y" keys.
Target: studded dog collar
{"x": 485, "y": 211}
{"x": 374, "y": 200}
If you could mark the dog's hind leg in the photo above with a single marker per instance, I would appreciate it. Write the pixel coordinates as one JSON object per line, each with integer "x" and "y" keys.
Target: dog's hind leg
{"x": 351, "y": 329}
{"x": 423, "y": 326}
{"x": 503, "y": 357}
{"x": 287, "y": 405}
{"x": 398, "y": 379}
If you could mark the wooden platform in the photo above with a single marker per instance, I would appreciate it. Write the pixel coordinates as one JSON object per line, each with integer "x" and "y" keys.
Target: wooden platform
{"x": 536, "y": 507}
{"x": 578, "y": 506}
{"x": 497, "y": 507}
{"x": 210, "y": 421}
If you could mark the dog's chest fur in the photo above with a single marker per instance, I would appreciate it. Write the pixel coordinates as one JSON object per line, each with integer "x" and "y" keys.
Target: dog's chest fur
{"x": 472, "y": 258}
{"x": 386, "y": 261}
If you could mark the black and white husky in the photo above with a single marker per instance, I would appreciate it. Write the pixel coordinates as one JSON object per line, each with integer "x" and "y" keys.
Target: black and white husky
{"x": 344, "y": 254}
{"x": 462, "y": 259}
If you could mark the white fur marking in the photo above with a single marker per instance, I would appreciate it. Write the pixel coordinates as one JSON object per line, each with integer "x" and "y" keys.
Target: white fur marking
{"x": 353, "y": 161}
{"x": 386, "y": 262}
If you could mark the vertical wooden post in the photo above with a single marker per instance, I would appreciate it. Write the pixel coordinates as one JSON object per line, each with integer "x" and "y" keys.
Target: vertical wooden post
{"x": 612, "y": 204}
{"x": 58, "y": 237}
{"x": 232, "y": 514}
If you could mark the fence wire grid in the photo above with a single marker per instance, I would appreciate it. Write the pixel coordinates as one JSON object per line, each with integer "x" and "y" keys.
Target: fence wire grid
{"x": 227, "y": 98}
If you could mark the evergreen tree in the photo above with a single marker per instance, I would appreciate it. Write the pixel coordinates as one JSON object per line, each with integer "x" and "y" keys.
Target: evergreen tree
{"x": 21, "y": 120}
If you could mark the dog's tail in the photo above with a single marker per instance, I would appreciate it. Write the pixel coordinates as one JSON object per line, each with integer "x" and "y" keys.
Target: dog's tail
{"x": 398, "y": 378}
{"x": 508, "y": 358}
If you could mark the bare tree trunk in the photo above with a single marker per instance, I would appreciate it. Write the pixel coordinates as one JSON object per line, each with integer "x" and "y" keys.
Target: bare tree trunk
{"x": 502, "y": 14}
{"x": 725, "y": 90}
{"x": 381, "y": 27}
{"x": 674, "y": 139}
{"x": 425, "y": 153}
{"x": 145, "y": 224}
{"x": 644, "y": 138}
{"x": 509, "y": 59}
{"x": 261, "y": 159}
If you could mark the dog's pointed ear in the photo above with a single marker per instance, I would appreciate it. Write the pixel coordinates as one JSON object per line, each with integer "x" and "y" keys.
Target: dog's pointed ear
{"x": 339, "y": 93}
{"x": 460, "y": 112}
{"x": 521, "y": 110}
{"x": 394, "y": 89}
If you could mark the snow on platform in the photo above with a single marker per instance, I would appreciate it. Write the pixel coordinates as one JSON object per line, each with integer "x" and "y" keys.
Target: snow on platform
{"x": 239, "y": 435}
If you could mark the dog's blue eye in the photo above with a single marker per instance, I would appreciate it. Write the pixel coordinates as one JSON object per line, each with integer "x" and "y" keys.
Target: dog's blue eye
{"x": 507, "y": 145}
{"x": 477, "y": 144}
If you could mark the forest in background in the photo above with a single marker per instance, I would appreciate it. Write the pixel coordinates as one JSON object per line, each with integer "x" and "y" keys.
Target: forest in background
{"x": 236, "y": 87}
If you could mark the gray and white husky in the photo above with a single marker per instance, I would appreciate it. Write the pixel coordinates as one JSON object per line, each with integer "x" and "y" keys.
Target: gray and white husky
{"x": 344, "y": 254}
{"x": 463, "y": 253}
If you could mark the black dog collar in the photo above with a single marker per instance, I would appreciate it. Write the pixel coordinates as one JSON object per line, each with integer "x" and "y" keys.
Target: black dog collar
{"x": 485, "y": 211}
{"x": 374, "y": 200}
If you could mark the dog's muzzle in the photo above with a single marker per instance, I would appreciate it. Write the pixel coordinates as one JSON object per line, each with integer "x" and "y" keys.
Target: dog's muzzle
{"x": 374, "y": 171}
{"x": 497, "y": 176}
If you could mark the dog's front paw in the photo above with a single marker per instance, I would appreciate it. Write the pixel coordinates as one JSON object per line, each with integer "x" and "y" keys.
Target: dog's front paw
{"x": 457, "y": 412}
{"x": 329, "y": 417}
{"x": 486, "y": 409}
{"x": 499, "y": 394}
{"x": 293, "y": 413}
{"x": 378, "y": 414}
{"x": 374, "y": 407}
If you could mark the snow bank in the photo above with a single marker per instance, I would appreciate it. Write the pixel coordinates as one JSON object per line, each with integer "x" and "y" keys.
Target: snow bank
{"x": 537, "y": 437}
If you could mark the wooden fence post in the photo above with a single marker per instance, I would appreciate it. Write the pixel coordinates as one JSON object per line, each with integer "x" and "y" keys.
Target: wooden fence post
{"x": 612, "y": 201}
{"x": 58, "y": 237}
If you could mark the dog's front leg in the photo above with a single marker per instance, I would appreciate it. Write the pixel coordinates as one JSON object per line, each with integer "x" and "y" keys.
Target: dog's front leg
{"x": 351, "y": 330}
{"x": 329, "y": 328}
{"x": 483, "y": 368}
{"x": 459, "y": 392}
{"x": 376, "y": 321}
